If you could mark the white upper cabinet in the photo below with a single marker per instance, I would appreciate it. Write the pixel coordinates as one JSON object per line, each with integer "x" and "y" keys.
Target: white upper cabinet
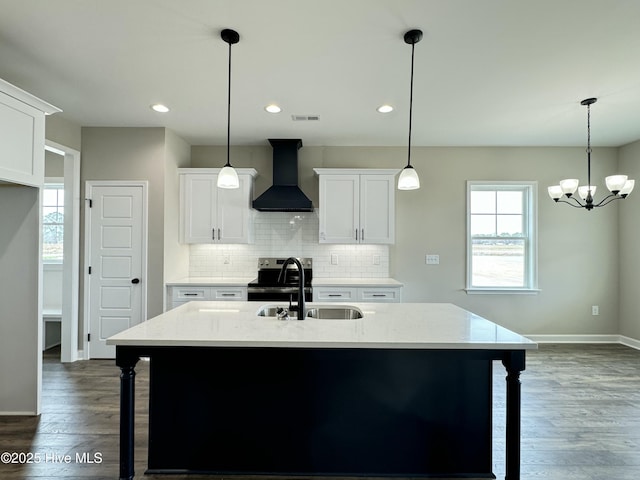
{"x": 357, "y": 206}
{"x": 22, "y": 135}
{"x": 215, "y": 215}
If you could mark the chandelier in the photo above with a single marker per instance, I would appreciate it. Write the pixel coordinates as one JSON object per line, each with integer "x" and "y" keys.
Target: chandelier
{"x": 619, "y": 185}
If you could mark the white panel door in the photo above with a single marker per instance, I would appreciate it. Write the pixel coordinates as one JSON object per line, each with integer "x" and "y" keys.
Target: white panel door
{"x": 377, "y": 209}
{"x": 116, "y": 282}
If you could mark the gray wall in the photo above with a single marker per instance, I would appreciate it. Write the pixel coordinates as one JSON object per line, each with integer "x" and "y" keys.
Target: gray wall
{"x": 131, "y": 154}
{"x": 62, "y": 131}
{"x": 20, "y": 356}
{"x": 629, "y": 249}
{"x": 176, "y": 254}
{"x": 578, "y": 250}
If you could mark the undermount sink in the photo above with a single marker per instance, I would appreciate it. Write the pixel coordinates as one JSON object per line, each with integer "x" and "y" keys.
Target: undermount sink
{"x": 335, "y": 313}
{"x": 320, "y": 312}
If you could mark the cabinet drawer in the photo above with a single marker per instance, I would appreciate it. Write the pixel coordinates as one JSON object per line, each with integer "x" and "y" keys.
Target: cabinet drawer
{"x": 237, "y": 294}
{"x": 379, "y": 295}
{"x": 192, "y": 293}
{"x": 329, "y": 294}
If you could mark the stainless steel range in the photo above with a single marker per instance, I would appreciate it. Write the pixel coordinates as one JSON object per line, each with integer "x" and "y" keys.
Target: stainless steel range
{"x": 267, "y": 288}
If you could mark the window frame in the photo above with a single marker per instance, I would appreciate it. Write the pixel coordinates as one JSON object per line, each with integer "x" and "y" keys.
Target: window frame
{"x": 50, "y": 184}
{"x": 530, "y": 224}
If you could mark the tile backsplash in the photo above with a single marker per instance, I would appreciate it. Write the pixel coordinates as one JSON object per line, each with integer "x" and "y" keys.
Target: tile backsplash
{"x": 288, "y": 234}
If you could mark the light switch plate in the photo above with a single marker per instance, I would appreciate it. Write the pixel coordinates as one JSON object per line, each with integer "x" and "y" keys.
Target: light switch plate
{"x": 334, "y": 259}
{"x": 431, "y": 259}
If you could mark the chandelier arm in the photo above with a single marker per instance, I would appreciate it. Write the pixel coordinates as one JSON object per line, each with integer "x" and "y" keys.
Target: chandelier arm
{"x": 579, "y": 205}
{"x": 608, "y": 199}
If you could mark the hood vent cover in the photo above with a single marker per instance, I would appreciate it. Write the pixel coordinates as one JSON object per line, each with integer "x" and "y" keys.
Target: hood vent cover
{"x": 284, "y": 195}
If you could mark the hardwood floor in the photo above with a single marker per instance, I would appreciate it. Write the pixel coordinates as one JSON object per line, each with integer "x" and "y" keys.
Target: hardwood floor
{"x": 580, "y": 418}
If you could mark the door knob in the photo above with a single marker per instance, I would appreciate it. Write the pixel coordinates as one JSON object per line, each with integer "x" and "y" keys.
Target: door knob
{"x": 135, "y": 281}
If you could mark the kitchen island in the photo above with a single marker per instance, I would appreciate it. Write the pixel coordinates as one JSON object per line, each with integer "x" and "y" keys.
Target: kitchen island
{"x": 404, "y": 391}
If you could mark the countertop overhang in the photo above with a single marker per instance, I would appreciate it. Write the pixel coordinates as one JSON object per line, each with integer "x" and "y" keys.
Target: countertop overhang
{"x": 384, "y": 326}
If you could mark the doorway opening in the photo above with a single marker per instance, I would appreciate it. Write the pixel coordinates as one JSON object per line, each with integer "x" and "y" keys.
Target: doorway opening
{"x": 61, "y": 257}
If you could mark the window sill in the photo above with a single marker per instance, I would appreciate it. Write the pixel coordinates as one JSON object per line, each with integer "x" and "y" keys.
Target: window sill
{"x": 502, "y": 291}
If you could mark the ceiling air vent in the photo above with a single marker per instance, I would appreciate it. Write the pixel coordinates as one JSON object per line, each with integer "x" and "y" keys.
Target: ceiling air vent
{"x": 305, "y": 118}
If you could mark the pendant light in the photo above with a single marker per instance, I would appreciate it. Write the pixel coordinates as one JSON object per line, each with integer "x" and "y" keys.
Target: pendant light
{"x": 619, "y": 185}
{"x": 228, "y": 177}
{"x": 408, "y": 179}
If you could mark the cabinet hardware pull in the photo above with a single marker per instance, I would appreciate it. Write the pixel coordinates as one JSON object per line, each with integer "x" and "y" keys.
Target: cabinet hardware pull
{"x": 219, "y": 237}
{"x": 135, "y": 281}
{"x": 378, "y": 295}
{"x": 356, "y": 234}
{"x": 228, "y": 294}
{"x": 362, "y": 236}
{"x": 190, "y": 294}
{"x": 213, "y": 234}
{"x": 334, "y": 295}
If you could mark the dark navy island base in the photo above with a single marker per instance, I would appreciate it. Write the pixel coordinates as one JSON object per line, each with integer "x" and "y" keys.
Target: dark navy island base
{"x": 320, "y": 411}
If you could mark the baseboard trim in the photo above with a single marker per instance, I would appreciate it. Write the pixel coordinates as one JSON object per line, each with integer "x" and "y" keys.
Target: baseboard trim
{"x": 629, "y": 342}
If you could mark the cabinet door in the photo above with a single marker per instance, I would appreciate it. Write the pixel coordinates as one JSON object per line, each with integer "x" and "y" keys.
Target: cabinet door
{"x": 22, "y": 140}
{"x": 334, "y": 294}
{"x": 377, "y": 209}
{"x": 377, "y": 294}
{"x": 339, "y": 209}
{"x": 199, "y": 208}
{"x": 234, "y": 213}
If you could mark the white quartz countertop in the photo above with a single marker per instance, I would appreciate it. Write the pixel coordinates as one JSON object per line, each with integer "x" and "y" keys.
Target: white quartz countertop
{"x": 211, "y": 282}
{"x": 384, "y": 325}
{"x": 355, "y": 282}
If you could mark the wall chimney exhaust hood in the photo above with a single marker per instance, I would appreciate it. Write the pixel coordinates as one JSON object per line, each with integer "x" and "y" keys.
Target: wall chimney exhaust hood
{"x": 284, "y": 195}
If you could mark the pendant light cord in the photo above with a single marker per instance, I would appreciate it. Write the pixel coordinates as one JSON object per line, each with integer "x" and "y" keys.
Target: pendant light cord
{"x": 413, "y": 47}
{"x": 229, "y": 111}
{"x": 589, "y": 147}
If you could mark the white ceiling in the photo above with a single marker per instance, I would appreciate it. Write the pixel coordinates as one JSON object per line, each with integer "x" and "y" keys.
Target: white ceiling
{"x": 487, "y": 72}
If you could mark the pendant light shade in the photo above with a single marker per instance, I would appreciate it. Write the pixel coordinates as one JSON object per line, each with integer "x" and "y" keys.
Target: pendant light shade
{"x": 228, "y": 177}
{"x": 408, "y": 179}
{"x": 619, "y": 186}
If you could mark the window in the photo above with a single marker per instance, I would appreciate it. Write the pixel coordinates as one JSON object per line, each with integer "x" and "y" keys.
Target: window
{"x": 501, "y": 237}
{"x": 52, "y": 223}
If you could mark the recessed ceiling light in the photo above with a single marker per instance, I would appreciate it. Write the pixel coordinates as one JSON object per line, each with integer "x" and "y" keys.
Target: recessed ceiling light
{"x": 273, "y": 108}
{"x": 385, "y": 108}
{"x": 158, "y": 107}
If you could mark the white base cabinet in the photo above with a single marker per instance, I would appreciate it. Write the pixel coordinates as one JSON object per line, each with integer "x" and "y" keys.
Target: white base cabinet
{"x": 356, "y": 206}
{"x": 357, "y": 294}
{"x": 179, "y": 295}
{"x": 215, "y": 215}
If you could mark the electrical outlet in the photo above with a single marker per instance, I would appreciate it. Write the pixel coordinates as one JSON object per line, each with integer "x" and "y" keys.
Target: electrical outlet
{"x": 227, "y": 259}
{"x": 432, "y": 259}
{"x": 595, "y": 310}
{"x": 376, "y": 259}
{"x": 334, "y": 259}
